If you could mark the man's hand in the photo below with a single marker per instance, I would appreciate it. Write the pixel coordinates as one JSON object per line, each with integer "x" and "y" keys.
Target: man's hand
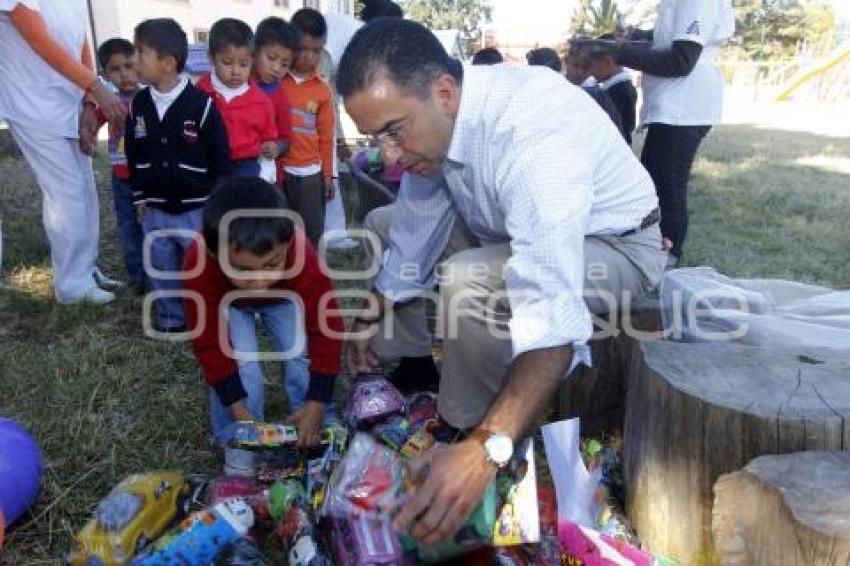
{"x": 330, "y": 188}
{"x": 308, "y": 419}
{"x": 239, "y": 411}
{"x": 269, "y": 149}
{"x": 107, "y": 101}
{"x": 451, "y": 482}
{"x": 358, "y": 355}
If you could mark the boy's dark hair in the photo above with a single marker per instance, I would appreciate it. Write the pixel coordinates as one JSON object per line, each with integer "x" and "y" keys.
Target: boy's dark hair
{"x": 113, "y": 46}
{"x": 276, "y": 31}
{"x": 166, "y": 37}
{"x": 310, "y": 22}
{"x": 487, "y": 56}
{"x": 380, "y": 9}
{"x": 578, "y": 52}
{"x": 254, "y": 234}
{"x": 410, "y": 55}
{"x": 230, "y": 32}
{"x": 546, "y": 57}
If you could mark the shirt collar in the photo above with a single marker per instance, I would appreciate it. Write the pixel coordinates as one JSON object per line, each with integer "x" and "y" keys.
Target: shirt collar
{"x": 468, "y": 114}
{"x": 225, "y": 91}
{"x": 171, "y": 94}
{"x": 620, "y": 77}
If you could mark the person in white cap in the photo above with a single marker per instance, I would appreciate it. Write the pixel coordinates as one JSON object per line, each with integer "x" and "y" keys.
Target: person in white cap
{"x": 47, "y": 71}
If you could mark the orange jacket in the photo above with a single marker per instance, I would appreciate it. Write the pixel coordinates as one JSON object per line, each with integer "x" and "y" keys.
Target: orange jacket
{"x": 313, "y": 123}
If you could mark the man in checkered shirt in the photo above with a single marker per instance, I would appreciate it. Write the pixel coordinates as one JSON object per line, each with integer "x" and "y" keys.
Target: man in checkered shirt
{"x": 525, "y": 193}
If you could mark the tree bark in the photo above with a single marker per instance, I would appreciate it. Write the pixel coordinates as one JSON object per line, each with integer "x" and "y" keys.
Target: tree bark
{"x": 697, "y": 411}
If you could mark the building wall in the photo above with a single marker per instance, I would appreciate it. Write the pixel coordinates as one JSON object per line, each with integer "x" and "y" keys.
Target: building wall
{"x": 119, "y": 17}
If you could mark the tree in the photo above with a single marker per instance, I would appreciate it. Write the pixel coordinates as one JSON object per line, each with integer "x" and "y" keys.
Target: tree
{"x": 780, "y": 29}
{"x": 593, "y": 18}
{"x": 468, "y": 16}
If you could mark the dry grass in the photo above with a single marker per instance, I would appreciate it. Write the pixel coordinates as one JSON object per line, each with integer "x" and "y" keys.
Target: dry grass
{"x": 103, "y": 401}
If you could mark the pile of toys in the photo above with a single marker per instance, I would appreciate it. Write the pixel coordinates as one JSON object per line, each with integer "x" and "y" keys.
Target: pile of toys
{"x": 321, "y": 506}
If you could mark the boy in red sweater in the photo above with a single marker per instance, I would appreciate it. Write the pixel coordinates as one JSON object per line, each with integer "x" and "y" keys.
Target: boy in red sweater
{"x": 309, "y": 163}
{"x": 247, "y": 112}
{"x": 275, "y": 46}
{"x": 260, "y": 267}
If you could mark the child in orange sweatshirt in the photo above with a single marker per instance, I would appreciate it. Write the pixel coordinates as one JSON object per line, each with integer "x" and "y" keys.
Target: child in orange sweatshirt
{"x": 309, "y": 164}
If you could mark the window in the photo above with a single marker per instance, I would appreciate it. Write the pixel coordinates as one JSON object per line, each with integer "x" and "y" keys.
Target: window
{"x": 312, "y": 4}
{"x": 201, "y": 35}
{"x": 281, "y": 4}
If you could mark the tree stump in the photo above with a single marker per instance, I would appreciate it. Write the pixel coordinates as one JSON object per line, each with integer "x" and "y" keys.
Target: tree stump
{"x": 597, "y": 395}
{"x": 697, "y": 411}
{"x": 790, "y": 510}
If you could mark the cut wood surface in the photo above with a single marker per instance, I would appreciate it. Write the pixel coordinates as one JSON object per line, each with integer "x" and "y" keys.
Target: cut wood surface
{"x": 791, "y": 509}
{"x": 697, "y": 411}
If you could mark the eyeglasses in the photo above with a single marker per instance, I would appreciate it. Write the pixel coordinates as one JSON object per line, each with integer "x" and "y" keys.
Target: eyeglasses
{"x": 391, "y": 137}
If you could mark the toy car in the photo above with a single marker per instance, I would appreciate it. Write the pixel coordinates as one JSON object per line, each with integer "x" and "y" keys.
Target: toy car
{"x": 372, "y": 397}
{"x": 365, "y": 541}
{"x": 251, "y": 435}
{"x": 136, "y": 512}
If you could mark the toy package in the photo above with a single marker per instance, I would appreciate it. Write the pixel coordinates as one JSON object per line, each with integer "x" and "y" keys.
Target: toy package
{"x": 227, "y": 487}
{"x": 296, "y": 524}
{"x": 252, "y": 435}
{"x": 202, "y": 536}
{"x": 368, "y": 477}
{"x": 242, "y": 552}
{"x": 371, "y": 398}
{"x": 365, "y": 540}
{"x": 134, "y": 513}
{"x": 518, "y": 520}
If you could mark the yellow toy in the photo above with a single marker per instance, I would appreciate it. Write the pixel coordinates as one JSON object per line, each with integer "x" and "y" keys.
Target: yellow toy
{"x": 134, "y": 513}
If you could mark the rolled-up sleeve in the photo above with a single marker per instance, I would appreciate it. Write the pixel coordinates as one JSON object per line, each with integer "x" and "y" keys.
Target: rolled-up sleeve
{"x": 422, "y": 221}
{"x": 547, "y": 206}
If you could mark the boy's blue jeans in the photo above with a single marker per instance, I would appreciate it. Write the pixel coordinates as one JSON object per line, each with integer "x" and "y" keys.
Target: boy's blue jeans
{"x": 129, "y": 231}
{"x": 286, "y": 330}
{"x": 166, "y": 254}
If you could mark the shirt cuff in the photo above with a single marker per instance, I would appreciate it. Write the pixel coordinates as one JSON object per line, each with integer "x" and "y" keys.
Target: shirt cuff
{"x": 230, "y": 390}
{"x": 321, "y": 387}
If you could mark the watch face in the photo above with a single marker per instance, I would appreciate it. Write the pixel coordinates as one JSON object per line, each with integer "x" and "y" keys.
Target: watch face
{"x": 499, "y": 448}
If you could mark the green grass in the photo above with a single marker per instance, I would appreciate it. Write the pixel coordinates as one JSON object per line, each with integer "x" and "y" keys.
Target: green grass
{"x": 103, "y": 401}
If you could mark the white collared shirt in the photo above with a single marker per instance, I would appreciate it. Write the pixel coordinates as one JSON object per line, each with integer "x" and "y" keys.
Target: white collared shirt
{"x": 695, "y": 99}
{"x": 164, "y": 100}
{"x": 225, "y": 91}
{"x": 621, "y": 77}
{"x": 533, "y": 162}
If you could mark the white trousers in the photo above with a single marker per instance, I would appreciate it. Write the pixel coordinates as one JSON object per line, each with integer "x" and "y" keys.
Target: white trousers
{"x": 69, "y": 208}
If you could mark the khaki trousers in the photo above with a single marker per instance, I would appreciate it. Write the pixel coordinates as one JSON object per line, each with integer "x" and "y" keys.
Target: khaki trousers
{"x": 474, "y": 311}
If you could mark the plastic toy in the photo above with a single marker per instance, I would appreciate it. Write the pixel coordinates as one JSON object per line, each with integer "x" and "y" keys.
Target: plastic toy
{"x": 369, "y": 476}
{"x": 418, "y": 442}
{"x": 242, "y": 552}
{"x": 365, "y": 540}
{"x": 393, "y": 432}
{"x": 252, "y": 435}
{"x": 280, "y": 465}
{"x": 422, "y": 409}
{"x": 135, "y": 513}
{"x": 203, "y": 536}
{"x": 20, "y": 472}
{"x": 372, "y": 397}
{"x": 228, "y": 487}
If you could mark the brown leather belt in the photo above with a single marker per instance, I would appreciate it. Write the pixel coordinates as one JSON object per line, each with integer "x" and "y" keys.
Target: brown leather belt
{"x": 651, "y": 219}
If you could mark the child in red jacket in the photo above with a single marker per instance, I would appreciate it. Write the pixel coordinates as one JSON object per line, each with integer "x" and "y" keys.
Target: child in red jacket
{"x": 262, "y": 268}
{"x": 247, "y": 112}
{"x": 275, "y": 47}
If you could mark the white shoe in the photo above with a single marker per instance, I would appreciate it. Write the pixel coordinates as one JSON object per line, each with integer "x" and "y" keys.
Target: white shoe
{"x": 104, "y": 282}
{"x": 95, "y": 296}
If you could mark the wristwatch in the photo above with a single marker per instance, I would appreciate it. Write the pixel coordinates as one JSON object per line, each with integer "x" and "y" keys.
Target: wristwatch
{"x": 497, "y": 446}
